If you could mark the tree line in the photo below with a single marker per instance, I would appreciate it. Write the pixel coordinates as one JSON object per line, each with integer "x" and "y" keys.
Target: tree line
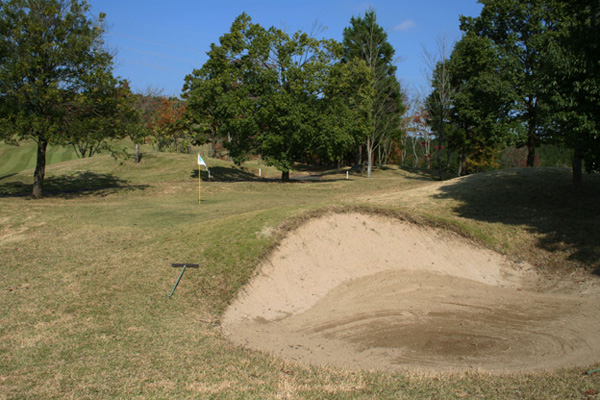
{"x": 523, "y": 73}
{"x": 263, "y": 92}
{"x": 295, "y": 98}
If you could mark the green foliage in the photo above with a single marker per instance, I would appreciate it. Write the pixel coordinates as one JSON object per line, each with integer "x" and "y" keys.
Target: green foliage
{"x": 367, "y": 41}
{"x": 295, "y": 98}
{"x": 348, "y": 95}
{"x": 519, "y": 30}
{"x": 51, "y": 53}
{"x": 542, "y": 71}
{"x": 572, "y": 82}
{"x": 290, "y": 109}
{"x": 104, "y": 109}
{"x": 223, "y": 95}
{"x": 264, "y": 91}
{"x": 480, "y": 106}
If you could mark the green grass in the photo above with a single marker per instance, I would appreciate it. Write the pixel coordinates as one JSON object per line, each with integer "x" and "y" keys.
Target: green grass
{"x": 85, "y": 274}
{"x": 14, "y": 159}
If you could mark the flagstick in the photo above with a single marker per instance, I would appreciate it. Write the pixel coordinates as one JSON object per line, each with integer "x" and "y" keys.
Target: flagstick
{"x": 200, "y": 164}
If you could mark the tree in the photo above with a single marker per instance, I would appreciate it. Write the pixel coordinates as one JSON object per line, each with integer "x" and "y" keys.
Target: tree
{"x": 481, "y": 103}
{"x": 168, "y": 127}
{"x": 224, "y": 94}
{"x": 572, "y": 83}
{"x": 365, "y": 40}
{"x": 264, "y": 91}
{"x": 104, "y": 109}
{"x": 520, "y": 30}
{"x": 289, "y": 113}
{"x": 146, "y": 105}
{"x": 440, "y": 100}
{"x": 348, "y": 93}
{"x": 48, "y": 49}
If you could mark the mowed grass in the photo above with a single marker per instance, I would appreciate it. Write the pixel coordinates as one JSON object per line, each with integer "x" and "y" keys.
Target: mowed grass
{"x": 14, "y": 159}
{"x": 85, "y": 275}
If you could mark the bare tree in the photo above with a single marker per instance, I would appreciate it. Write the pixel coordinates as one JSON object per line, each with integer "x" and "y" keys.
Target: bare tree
{"x": 440, "y": 99}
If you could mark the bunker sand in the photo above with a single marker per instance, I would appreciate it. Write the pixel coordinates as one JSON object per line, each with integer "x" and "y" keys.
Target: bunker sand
{"x": 370, "y": 292}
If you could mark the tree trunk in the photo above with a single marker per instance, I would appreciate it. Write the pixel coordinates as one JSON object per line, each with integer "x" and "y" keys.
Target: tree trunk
{"x": 531, "y": 136}
{"x": 369, "y": 157}
{"x": 440, "y": 138}
{"x": 462, "y": 164}
{"x": 577, "y": 169}
{"x": 414, "y": 147}
{"x": 228, "y": 141}
{"x": 40, "y": 168}
{"x": 137, "y": 153}
{"x": 214, "y": 148}
{"x": 531, "y": 151}
{"x": 285, "y": 176}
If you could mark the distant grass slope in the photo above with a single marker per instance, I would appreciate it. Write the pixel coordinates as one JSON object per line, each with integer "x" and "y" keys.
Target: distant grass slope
{"x": 14, "y": 159}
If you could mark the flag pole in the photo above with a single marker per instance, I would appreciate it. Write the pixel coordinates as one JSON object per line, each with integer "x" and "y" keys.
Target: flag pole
{"x": 200, "y": 163}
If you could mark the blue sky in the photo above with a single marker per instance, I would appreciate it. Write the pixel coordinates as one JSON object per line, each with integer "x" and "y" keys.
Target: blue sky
{"x": 158, "y": 42}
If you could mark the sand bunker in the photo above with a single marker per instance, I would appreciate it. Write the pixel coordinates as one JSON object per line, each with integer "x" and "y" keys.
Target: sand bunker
{"x": 368, "y": 292}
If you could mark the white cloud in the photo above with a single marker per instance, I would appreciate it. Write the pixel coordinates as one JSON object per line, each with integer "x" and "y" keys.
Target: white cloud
{"x": 405, "y": 26}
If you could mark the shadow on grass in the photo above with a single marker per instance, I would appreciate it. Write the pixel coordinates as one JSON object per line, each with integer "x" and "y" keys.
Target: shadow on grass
{"x": 421, "y": 174}
{"x": 70, "y": 186}
{"x": 227, "y": 174}
{"x": 542, "y": 200}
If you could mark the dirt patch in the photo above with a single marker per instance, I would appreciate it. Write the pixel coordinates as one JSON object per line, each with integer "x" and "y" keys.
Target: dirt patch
{"x": 368, "y": 292}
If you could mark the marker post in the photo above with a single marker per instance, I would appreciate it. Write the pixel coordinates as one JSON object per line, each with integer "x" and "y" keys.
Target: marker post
{"x": 200, "y": 163}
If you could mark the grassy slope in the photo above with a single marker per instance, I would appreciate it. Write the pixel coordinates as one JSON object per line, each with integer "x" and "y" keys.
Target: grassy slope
{"x": 84, "y": 311}
{"x": 14, "y": 159}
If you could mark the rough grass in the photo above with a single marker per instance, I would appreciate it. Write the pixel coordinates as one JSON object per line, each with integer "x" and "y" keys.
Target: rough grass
{"x": 85, "y": 275}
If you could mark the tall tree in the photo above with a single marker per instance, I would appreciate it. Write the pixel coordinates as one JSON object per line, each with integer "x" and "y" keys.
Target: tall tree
{"x": 289, "y": 113}
{"x": 573, "y": 81}
{"x": 440, "y": 99}
{"x": 48, "y": 49}
{"x": 223, "y": 95}
{"x": 481, "y": 103}
{"x": 264, "y": 90}
{"x": 520, "y": 30}
{"x": 366, "y": 40}
{"x": 347, "y": 97}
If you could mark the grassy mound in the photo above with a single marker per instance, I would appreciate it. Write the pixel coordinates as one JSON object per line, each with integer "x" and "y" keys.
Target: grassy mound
{"x": 86, "y": 274}
{"x": 15, "y": 159}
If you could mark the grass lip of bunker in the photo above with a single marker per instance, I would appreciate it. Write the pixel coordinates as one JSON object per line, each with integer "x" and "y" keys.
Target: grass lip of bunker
{"x": 371, "y": 292}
